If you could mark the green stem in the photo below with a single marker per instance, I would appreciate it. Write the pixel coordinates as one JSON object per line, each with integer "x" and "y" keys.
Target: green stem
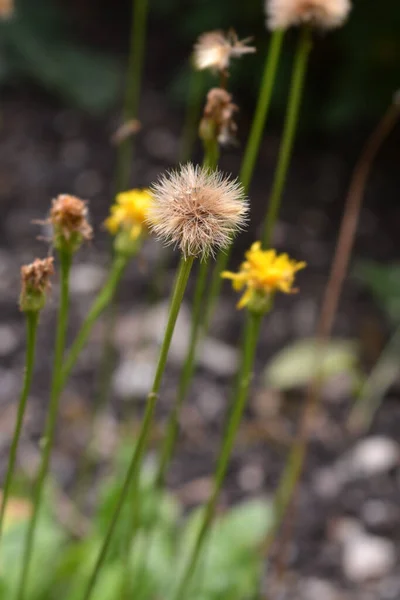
{"x": 186, "y": 375}
{"x": 193, "y": 109}
{"x": 123, "y": 166}
{"x": 48, "y": 441}
{"x": 264, "y": 101}
{"x": 289, "y": 131}
{"x": 133, "y": 469}
{"x": 99, "y": 305}
{"x": 101, "y": 302}
{"x": 249, "y": 158}
{"x": 32, "y": 319}
{"x": 132, "y": 91}
{"x": 246, "y": 371}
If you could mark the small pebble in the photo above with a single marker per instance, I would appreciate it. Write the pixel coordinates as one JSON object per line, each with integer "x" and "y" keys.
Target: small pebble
{"x": 372, "y": 456}
{"x": 9, "y": 340}
{"x": 86, "y": 278}
{"x": 366, "y": 557}
{"x": 251, "y": 477}
{"x": 134, "y": 376}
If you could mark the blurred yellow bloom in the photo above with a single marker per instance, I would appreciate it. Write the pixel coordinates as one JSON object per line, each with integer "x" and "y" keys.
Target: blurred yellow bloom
{"x": 129, "y": 213}
{"x": 263, "y": 273}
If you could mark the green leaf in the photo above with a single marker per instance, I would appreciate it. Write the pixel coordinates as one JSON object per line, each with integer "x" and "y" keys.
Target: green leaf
{"x": 37, "y": 46}
{"x": 384, "y": 283}
{"x": 299, "y": 362}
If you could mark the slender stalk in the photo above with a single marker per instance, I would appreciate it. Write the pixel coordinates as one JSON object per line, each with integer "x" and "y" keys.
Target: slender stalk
{"x": 101, "y": 302}
{"x": 32, "y": 319}
{"x": 185, "y": 379}
{"x": 289, "y": 132}
{"x": 288, "y": 485}
{"x": 123, "y": 166}
{"x": 263, "y": 103}
{"x": 99, "y": 305}
{"x": 65, "y": 266}
{"x": 133, "y": 469}
{"x": 211, "y": 155}
{"x": 246, "y": 371}
{"x": 193, "y": 110}
{"x": 132, "y": 90}
{"x": 250, "y": 156}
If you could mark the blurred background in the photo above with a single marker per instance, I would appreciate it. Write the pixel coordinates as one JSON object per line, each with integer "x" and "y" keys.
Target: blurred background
{"x": 62, "y": 72}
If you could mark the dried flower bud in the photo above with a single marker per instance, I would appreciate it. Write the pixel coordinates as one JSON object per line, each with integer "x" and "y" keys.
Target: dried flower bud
{"x": 68, "y": 216}
{"x": 197, "y": 210}
{"x": 214, "y": 50}
{"x": 326, "y": 14}
{"x": 35, "y": 284}
{"x": 217, "y": 122}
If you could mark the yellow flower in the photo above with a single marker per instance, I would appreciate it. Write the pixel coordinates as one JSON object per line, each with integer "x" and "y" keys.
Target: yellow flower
{"x": 263, "y": 273}
{"x": 129, "y": 213}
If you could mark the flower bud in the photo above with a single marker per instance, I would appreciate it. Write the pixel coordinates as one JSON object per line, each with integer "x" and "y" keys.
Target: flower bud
{"x": 35, "y": 284}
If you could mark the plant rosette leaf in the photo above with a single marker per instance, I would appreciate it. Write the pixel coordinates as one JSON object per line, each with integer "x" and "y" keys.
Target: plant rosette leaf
{"x": 297, "y": 364}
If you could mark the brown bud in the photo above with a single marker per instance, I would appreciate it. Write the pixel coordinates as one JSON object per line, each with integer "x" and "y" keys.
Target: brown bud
{"x": 217, "y": 121}
{"x": 68, "y": 217}
{"x": 35, "y": 284}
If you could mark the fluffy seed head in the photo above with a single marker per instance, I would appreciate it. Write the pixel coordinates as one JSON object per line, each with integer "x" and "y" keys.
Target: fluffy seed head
{"x": 326, "y": 14}
{"x": 197, "y": 209}
{"x": 214, "y": 50}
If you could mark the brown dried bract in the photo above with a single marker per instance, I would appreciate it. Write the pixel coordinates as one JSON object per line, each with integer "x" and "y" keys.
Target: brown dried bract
{"x": 219, "y": 112}
{"x": 36, "y": 276}
{"x": 68, "y": 216}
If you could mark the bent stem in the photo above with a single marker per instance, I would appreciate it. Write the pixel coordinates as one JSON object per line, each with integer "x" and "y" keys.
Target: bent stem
{"x": 250, "y": 156}
{"x": 32, "y": 319}
{"x": 289, "y": 131}
{"x": 48, "y": 440}
{"x": 288, "y": 486}
{"x": 133, "y": 469}
{"x": 245, "y": 376}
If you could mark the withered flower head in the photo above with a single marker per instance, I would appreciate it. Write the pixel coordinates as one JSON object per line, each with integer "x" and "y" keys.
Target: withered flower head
{"x": 197, "y": 209}
{"x": 326, "y": 14}
{"x": 214, "y": 50}
{"x": 35, "y": 284}
{"x": 68, "y": 216}
{"x": 217, "y": 121}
